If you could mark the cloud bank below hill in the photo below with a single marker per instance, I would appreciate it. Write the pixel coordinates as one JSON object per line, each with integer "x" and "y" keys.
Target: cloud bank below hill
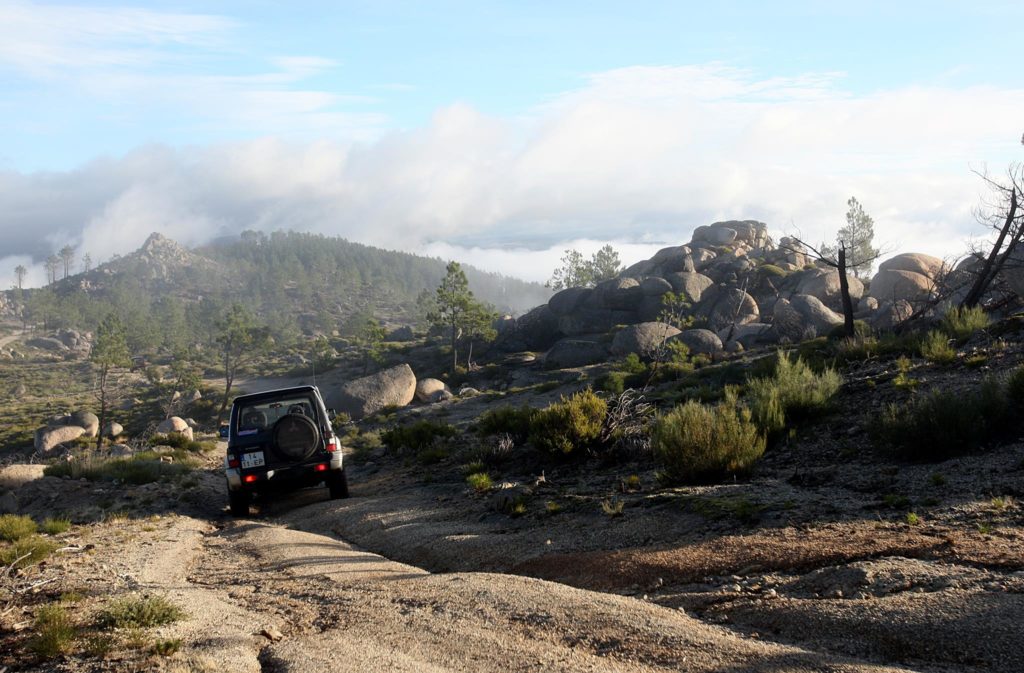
{"x": 636, "y": 156}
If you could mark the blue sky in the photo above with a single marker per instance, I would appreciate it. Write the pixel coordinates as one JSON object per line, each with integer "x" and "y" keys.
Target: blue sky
{"x": 499, "y": 131}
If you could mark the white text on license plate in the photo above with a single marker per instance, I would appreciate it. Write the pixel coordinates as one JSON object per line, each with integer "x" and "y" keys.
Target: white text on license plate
{"x": 254, "y": 459}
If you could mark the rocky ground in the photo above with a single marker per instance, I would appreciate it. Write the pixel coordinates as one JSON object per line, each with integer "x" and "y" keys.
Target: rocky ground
{"x": 814, "y": 564}
{"x": 831, "y": 556}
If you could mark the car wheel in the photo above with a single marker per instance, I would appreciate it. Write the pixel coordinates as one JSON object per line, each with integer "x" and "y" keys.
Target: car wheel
{"x": 238, "y": 502}
{"x": 337, "y": 484}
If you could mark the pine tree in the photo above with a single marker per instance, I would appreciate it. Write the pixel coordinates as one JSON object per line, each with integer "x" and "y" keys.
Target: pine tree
{"x": 574, "y": 272}
{"x": 52, "y": 262}
{"x": 456, "y": 310}
{"x": 20, "y": 272}
{"x": 579, "y": 272}
{"x": 67, "y": 258}
{"x": 604, "y": 264}
{"x": 240, "y": 340}
{"x": 857, "y": 236}
{"x": 109, "y": 352}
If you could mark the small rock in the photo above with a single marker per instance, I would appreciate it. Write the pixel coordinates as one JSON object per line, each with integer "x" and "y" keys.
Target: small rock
{"x": 272, "y": 634}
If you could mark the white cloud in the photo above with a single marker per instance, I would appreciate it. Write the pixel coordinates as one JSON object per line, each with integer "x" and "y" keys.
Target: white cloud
{"x": 536, "y": 265}
{"x": 65, "y": 40}
{"x": 639, "y": 156}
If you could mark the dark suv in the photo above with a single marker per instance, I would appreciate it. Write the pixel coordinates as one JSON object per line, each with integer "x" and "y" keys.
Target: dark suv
{"x": 281, "y": 440}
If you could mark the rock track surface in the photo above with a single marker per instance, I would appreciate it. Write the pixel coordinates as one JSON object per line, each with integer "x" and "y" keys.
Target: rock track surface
{"x": 365, "y": 613}
{"x": 263, "y": 597}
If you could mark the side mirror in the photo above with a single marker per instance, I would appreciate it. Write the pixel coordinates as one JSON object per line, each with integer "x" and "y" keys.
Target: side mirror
{"x": 223, "y": 432}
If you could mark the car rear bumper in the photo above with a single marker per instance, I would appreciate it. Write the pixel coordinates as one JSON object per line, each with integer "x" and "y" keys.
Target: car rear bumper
{"x": 294, "y": 476}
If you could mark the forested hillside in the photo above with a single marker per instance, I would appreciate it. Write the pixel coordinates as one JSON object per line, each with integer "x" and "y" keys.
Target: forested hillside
{"x": 295, "y": 283}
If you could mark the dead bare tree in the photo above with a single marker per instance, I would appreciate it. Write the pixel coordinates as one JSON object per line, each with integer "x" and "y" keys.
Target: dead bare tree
{"x": 1004, "y": 215}
{"x": 841, "y": 262}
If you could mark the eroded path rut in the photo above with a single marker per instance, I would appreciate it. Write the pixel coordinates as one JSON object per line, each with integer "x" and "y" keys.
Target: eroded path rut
{"x": 336, "y": 608}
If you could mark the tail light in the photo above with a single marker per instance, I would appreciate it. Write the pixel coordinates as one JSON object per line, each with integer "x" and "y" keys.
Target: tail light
{"x": 332, "y": 445}
{"x": 249, "y": 478}
{"x": 234, "y": 462}
{"x": 322, "y": 467}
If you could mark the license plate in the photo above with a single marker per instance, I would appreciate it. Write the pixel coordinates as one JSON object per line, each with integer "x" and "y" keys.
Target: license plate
{"x": 254, "y": 459}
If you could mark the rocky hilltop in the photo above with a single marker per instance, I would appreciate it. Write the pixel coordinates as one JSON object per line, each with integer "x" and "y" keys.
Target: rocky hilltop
{"x": 743, "y": 290}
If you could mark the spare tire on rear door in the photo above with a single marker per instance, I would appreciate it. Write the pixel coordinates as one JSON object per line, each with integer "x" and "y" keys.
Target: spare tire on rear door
{"x": 295, "y": 437}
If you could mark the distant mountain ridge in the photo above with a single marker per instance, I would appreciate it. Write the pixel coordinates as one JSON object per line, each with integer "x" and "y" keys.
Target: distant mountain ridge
{"x": 314, "y": 282}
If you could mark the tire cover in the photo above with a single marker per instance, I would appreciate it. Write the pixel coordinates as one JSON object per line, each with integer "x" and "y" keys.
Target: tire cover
{"x": 295, "y": 437}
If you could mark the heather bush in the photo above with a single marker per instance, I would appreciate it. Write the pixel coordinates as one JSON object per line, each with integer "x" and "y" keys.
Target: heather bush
{"x": 935, "y": 347}
{"x": 570, "y": 426}
{"x": 961, "y": 323}
{"x": 417, "y": 437}
{"x": 794, "y": 391}
{"x": 698, "y": 443}
{"x": 944, "y": 423}
{"x": 507, "y": 420}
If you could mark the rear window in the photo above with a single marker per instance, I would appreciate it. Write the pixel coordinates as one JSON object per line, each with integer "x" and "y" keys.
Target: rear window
{"x": 259, "y": 416}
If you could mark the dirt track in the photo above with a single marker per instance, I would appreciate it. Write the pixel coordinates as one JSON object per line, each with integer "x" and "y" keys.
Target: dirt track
{"x": 336, "y": 607}
{"x": 340, "y": 608}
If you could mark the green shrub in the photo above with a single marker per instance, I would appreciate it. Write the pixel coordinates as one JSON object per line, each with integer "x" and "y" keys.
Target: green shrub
{"x": 961, "y": 323}
{"x": 794, "y": 391}
{"x": 56, "y": 526}
{"x": 766, "y": 407}
{"x": 944, "y": 424}
{"x": 899, "y": 345}
{"x": 143, "y": 468}
{"x": 26, "y": 551}
{"x": 860, "y": 329}
{"x": 166, "y": 648}
{"x": 935, "y": 347}
{"x": 473, "y": 467}
{"x": 177, "y": 440}
{"x": 614, "y": 382}
{"x": 139, "y": 612}
{"x": 699, "y": 443}
{"x": 54, "y": 632}
{"x": 432, "y": 455}
{"x": 569, "y": 426}
{"x": 700, "y": 360}
{"x": 417, "y": 436}
{"x": 480, "y": 482}
{"x": 14, "y": 527}
{"x": 856, "y": 348}
{"x": 507, "y": 420}
{"x": 977, "y": 360}
{"x": 772, "y": 270}
{"x": 1015, "y": 386}
{"x": 632, "y": 364}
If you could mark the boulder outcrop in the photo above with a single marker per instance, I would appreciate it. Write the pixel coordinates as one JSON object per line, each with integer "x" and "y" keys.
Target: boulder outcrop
{"x": 49, "y": 438}
{"x": 699, "y": 341}
{"x": 644, "y": 339}
{"x": 721, "y": 306}
{"x": 569, "y": 353}
{"x": 427, "y": 389}
{"x": 395, "y": 386}
{"x": 175, "y": 425}
{"x": 908, "y": 277}
{"x": 86, "y": 420}
{"x": 733, "y": 276}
